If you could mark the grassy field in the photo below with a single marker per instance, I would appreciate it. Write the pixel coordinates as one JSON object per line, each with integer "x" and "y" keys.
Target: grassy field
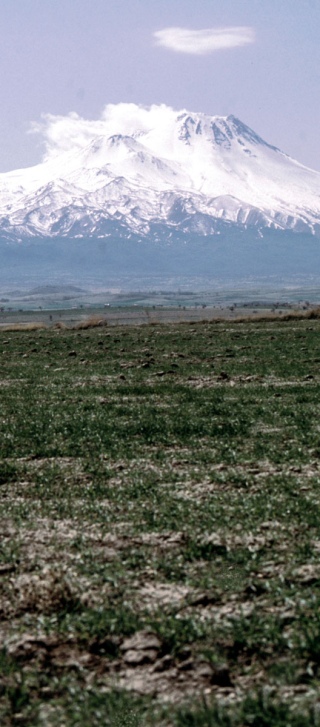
{"x": 160, "y": 525}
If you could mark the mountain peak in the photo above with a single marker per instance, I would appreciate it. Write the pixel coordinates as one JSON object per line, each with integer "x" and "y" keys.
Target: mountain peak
{"x": 244, "y": 131}
{"x": 141, "y": 165}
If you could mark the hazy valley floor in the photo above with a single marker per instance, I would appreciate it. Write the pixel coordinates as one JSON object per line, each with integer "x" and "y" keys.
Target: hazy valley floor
{"x": 160, "y": 521}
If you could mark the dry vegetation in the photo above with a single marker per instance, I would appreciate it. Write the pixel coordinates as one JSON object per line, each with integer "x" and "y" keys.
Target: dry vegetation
{"x": 36, "y": 326}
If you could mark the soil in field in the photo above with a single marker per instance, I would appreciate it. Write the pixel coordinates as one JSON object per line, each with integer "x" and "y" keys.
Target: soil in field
{"x": 160, "y": 525}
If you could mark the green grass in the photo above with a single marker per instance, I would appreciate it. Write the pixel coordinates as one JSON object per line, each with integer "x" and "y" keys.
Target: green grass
{"x": 160, "y": 479}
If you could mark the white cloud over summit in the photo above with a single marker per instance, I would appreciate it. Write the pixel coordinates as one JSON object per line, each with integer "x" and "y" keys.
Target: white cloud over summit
{"x": 71, "y": 133}
{"x": 203, "y": 42}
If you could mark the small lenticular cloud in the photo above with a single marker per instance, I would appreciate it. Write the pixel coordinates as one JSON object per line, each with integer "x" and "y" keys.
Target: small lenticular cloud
{"x": 202, "y": 42}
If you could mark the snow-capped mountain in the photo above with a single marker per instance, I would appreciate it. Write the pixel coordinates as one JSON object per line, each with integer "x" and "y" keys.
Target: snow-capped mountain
{"x": 183, "y": 171}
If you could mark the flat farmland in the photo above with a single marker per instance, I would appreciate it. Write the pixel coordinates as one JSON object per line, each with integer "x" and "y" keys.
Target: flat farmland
{"x": 160, "y": 525}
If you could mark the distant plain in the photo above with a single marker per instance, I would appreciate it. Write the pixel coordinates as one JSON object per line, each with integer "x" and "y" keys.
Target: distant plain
{"x": 72, "y": 305}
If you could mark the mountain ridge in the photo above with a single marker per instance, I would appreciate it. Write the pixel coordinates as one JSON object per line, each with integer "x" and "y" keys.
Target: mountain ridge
{"x": 188, "y": 171}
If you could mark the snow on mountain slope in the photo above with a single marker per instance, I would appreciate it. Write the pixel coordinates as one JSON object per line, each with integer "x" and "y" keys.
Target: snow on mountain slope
{"x": 145, "y": 165}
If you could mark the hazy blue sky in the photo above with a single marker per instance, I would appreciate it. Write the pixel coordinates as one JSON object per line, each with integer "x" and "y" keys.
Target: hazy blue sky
{"x": 260, "y": 61}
